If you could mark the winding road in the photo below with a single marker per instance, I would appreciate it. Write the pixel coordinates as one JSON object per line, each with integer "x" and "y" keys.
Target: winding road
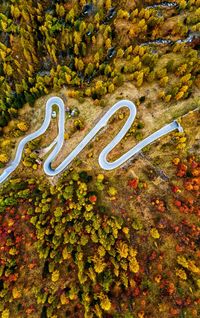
{"x": 59, "y": 141}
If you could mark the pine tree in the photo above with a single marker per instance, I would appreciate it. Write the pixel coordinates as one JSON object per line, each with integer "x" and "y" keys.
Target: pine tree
{"x": 15, "y": 12}
{"x": 89, "y": 69}
{"x": 60, "y": 10}
{"x": 77, "y": 37}
{"x": 111, "y": 88}
{"x": 120, "y": 53}
{"x": 108, "y": 4}
{"x": 108, "y": 43}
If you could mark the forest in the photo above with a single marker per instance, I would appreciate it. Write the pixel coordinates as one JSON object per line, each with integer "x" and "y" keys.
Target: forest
{"x": 93, "y": 48}
{"x": 91, "y": 243}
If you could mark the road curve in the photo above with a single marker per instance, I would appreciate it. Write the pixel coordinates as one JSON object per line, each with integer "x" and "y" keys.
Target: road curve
{"x": 102, "y": 123}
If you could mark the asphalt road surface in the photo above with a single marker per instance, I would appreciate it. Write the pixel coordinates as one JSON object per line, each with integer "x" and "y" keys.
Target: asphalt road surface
{"x": 59, "y": 141}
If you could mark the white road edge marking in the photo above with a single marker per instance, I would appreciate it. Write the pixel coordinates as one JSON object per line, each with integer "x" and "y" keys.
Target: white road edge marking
{"x": 102, "y": 123}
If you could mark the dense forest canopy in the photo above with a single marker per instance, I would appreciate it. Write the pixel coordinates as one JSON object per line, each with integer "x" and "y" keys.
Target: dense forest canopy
{"x": 94, "y": 46}
{"x": 90, "y": 243}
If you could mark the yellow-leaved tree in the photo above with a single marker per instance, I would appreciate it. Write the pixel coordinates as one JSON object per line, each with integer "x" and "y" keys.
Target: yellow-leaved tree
{"x": 3, "y": 158}
{"x": 55, "y": 276}
{"x": 122, "y": 249}
{"x": 99, "y": 264}
{"x": 22, "y": 126}
{"x": 5, "y": 313}
{"x": 105, "y": 302}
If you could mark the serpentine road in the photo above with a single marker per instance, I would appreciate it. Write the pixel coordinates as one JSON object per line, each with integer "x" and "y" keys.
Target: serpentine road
{"x": 59, "y": 141}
